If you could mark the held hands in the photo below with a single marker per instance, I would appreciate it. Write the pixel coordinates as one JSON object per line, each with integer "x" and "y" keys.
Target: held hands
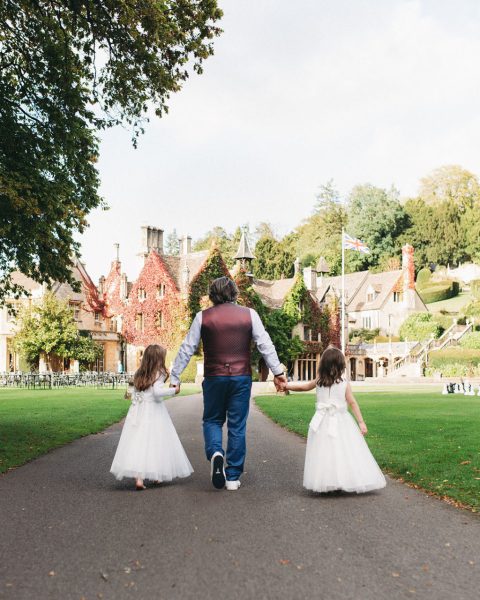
{"x": 363, "y": 428}
{"x": 280, "y": 382}
{"x": 177, "y": 387}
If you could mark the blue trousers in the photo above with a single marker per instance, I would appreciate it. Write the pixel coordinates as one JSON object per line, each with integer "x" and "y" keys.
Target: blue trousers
{"x": 226, "y": 399}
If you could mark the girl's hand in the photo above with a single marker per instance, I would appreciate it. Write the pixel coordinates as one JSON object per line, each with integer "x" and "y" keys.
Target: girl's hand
{"x": 363, "y": 428}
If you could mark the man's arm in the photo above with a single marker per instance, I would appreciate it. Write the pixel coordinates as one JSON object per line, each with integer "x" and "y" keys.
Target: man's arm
{"x": 266, "y": 348}
{"x": 187, "y": 350}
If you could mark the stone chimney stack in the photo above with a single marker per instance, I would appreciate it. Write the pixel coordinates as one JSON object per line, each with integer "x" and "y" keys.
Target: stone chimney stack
{"x": 123, "y": 286}
{"x": 185, "y": 244}
{"x": 408, "y": 268}
{"x": 310, "y": 278}
{"x": 101, "y": 285}
{"x": 152, "y": 239}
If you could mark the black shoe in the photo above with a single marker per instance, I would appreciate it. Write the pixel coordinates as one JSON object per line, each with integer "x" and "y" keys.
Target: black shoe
{"x": 218, "y": 470}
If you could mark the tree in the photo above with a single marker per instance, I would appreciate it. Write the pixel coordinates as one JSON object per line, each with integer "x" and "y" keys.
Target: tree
{"x": 70, "y": 69}
{"x": 274, "y": 259}
{"x": 327, "y": 196}
{"x": 172, "y": 245}
{"x": 49, "y": 328}
{"x": 418, "y": 231}
{"x": 451, "y": 183}
{"x": 376, "y": 216}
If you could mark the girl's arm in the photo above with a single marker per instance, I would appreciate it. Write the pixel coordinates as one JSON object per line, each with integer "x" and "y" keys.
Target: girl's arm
{"x": 305, "y": 386}
{"x": 350, "y": 398}
{"x": 160, "y": 391}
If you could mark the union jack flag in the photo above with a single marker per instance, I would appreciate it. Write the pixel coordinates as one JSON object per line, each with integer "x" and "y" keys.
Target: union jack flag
{"x": 350, "y": 243}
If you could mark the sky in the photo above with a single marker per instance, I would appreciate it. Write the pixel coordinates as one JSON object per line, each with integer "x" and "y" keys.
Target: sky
{"x": 297, "y": 93}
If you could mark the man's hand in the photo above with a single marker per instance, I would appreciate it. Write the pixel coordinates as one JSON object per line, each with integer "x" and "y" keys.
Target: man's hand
{"x": 177, "y": 387}
{"x": 279, "y": 381}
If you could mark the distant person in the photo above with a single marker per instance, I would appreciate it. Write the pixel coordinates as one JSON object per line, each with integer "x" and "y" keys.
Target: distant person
{"x": 337, "y": 456}
{"x": 149, "y": 447}
{"x": 226, "y": 331}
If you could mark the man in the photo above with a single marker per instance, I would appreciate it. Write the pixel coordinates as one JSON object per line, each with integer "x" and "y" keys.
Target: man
{"x": 226, "y": 331}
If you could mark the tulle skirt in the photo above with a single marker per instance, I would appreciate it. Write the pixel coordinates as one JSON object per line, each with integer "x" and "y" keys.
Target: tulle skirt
{"x": 338, "y": 458}
{"x": 149, "y": 447}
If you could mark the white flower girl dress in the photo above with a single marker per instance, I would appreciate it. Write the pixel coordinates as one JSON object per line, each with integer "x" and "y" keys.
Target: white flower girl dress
{"x": 149, "y": 447}
{"x": 337, "y": 456}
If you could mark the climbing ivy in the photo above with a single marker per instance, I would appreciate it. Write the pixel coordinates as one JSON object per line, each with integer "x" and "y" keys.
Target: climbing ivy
{"x": 213, "y": 267}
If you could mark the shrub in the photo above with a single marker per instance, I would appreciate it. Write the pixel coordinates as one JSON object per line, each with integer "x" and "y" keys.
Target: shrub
{"x": 363, "y": 335}
{"x": 423, "y": 277}
{"x": 475, "y": 289}
{"x": 441, "y": 290}
{"x": 420, "y": 327}
{"x": 471, "y": 341}
{"x": 473, "y": 309}
{"x": 450, "y": 359}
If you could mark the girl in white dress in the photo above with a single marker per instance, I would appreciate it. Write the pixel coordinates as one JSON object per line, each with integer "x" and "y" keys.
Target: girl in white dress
{"x": 149, "y": 447}
{"x": 337, "y": 457}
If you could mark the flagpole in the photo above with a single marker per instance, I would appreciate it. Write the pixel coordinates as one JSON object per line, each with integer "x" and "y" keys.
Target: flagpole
{"x": 343, "y": 290}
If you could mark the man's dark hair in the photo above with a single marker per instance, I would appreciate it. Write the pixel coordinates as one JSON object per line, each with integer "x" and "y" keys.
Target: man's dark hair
{"x": 223, "y": 290}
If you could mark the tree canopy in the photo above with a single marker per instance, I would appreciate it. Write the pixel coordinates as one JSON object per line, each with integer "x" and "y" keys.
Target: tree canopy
{"x": 69, "y": 70}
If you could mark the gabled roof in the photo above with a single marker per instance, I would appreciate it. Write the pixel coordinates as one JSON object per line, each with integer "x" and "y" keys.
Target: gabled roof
{"x": 272, "y": 293}
{"x": 382, "y": 283}
{"x": 192, "y": 261}
{"x": 353, "y": 281}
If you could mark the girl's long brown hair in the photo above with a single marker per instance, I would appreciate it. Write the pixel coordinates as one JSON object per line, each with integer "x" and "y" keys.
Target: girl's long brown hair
{"x": 151, "y": 367}
{"x": 331, "y": 368}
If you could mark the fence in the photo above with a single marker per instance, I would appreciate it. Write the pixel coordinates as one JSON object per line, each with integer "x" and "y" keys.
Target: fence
{"x": 62, "y": 380}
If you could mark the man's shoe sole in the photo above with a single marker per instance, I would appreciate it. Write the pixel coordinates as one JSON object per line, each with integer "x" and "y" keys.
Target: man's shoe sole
{"x": 218, "y": 473}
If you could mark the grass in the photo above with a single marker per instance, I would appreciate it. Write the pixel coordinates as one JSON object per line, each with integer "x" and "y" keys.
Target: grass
{"x": 452, "y": 305}
{"x": 33, "y": 422}
{"x": 427, "y": 439}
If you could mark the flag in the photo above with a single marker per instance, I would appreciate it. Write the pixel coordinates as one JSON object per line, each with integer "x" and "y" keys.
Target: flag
{"x": 350, "y": 243}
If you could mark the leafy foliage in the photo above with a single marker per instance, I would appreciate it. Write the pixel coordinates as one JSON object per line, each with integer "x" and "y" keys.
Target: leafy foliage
{"x": 471, "y": 340}
{"x": 70, "y": 69}
{"x": 274, "y": 259}
{"x": 440, "y": 290}
{"x": 423, "y": 278}
{"x": 213, "y": 267}
{"x": 420, "y": 327}
{"x": 49, "y": 328}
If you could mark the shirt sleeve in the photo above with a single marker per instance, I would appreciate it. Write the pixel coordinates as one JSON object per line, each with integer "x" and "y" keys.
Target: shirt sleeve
{"x": 265, "y": 345}
{"x": 160, "y": 391}
{"x": 187, "y": 349}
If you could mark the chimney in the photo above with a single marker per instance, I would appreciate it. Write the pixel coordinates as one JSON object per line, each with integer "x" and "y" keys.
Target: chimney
{"x": 101, "y": 285}
{"x": 185, "y": 276}
{"x": 310, "y": 278}
{"x": 296, "y": 266}
{"x": 408, "y": 268}
{"x": 123, "y": 286}
{"x": 186, "y": 244}
{"x": 152, "y": 239}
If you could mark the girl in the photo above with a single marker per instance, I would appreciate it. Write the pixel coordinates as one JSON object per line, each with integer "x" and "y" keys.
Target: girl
{"x": 149, "y": 447}
{"x": 337, "y": 457}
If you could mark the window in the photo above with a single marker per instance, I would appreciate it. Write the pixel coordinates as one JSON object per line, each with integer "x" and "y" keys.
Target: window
{"x": 142, "y": 294}
{"x": 307, "y": 334}
{"x": 397, "y": 296}
{"x": 76, "y": 310}
{"x": 139, "y": 323}
{"x": 370, "y": 296}
{"x": 161, "y": 290}
{"x": 160, "y": 320}
{"x": 97, "y": 317}
{"x": 367, "y": 322}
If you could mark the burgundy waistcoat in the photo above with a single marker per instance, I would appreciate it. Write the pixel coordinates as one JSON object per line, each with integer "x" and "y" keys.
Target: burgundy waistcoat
{"x": 226, "y": 336}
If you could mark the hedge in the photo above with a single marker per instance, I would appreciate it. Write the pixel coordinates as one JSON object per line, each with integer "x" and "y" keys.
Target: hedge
{"x": 423, "y": 277}
{"x": 473, "y": 309}
{"x": 443, "y": 290}
{"x": 475, "y": 289}
{"x": 420, "y": 327}
{"x": 444, "y": 359}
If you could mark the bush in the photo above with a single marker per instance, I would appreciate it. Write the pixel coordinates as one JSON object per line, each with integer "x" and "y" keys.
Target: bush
{"x": 471, "y": 341}
{"x": 442, "y": 360}
{"x": 473, "y": 309}
{"x": 475, "y": 289}
{"x": 420, "y": 327}
{"x": 441, "y": 290}
{"x": 423, "y": 277}
{"x": 445, "y": 321}
{"x": 363, "y": 335}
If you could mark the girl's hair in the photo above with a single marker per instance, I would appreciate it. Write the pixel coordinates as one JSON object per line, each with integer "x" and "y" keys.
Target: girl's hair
{"x": 151, "y": 367}
{"x": 331, "y": 367}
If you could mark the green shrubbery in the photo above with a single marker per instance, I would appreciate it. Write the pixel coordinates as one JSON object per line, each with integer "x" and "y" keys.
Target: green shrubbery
{"x": 420, "y": 327}
{"x": 437, "y": 291}
{"x": 475, "y": 289}
{"x": 423, "y": 277}
{"x": 471, "y": 340}
{"x": 357, "y": 336}
{"x": 455, "y": 362}
{"x": 473, "y": 309}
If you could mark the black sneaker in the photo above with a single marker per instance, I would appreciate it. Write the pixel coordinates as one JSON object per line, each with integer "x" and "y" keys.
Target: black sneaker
{"x": 218, "y": 470}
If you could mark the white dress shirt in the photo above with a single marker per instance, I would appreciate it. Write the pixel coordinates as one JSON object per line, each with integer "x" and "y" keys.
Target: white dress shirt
{"x": 192, "y": 340}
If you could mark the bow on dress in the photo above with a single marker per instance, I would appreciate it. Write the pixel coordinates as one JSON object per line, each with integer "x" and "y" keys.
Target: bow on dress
{"x": 326, "y": 409}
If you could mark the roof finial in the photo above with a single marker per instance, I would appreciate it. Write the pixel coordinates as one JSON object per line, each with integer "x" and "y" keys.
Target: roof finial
{"x": 244, "y": 252}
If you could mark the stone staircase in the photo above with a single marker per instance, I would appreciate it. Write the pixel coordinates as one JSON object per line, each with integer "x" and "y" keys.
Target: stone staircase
{"x": 412, "y": 364}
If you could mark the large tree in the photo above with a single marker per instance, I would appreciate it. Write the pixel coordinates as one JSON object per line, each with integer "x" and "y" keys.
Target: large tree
{"x": 68, "y": 70}
{"x": 451, "y": 183}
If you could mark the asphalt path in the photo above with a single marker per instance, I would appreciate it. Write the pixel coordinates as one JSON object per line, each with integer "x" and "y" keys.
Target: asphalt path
{"x": 70, "y": 531}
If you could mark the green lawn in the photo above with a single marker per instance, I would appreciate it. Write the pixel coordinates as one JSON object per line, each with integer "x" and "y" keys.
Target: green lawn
{"x": 452, "y": 305}
{"x": 33, "y": 422}
{"x": 423, "y": 437}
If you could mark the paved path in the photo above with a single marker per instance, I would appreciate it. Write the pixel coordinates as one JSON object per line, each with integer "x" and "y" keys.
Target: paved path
{"x": 69, "y": 531}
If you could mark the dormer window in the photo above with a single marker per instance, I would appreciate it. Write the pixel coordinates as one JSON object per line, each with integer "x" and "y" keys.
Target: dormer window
{"x": 161, "y": 290}
{"x": 371, "y": 294}
{"x": 397, "y": 296}
{"x": 142, "y": 294}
